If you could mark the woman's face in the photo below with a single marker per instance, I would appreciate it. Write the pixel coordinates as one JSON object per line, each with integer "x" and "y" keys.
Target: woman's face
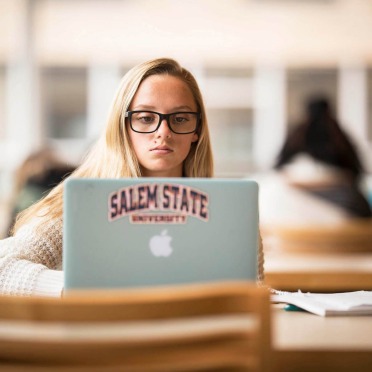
{"x": 162, "y": 153}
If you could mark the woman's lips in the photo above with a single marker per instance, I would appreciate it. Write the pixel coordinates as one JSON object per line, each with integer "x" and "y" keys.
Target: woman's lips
{"x": 161, "y": 150}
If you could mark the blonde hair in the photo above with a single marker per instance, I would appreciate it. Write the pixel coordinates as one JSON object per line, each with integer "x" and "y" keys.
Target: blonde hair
{"x": 113, "y": 155}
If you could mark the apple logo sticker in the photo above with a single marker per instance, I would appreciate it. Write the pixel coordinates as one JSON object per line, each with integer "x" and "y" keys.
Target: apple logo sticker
{"x": 160, "y": 245}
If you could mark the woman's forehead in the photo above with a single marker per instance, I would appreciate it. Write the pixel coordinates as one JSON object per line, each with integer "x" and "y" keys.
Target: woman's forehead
{"x": 163, "y": 90}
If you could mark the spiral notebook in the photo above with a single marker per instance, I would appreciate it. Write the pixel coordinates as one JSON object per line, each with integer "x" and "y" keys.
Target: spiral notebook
{"x": 123, "y": 233}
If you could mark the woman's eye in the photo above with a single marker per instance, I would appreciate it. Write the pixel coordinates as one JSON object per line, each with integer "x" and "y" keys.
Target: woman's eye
{"x": 146, "y": 119}
{"x": 180, "y": 119}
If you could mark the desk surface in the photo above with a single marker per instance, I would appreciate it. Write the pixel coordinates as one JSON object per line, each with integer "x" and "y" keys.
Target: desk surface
{"x": 306, "y": 342}
{"x": 302, "y": 330}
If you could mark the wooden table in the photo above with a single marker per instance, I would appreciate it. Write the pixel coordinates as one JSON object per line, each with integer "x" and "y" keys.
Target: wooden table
{"x": 305, "y": 342}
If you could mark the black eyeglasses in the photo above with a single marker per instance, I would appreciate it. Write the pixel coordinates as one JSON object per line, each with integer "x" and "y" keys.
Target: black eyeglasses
{"x": 149, "y": 121}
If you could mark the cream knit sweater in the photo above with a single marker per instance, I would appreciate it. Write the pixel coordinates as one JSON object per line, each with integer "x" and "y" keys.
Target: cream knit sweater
{"x": 31, "y": 261}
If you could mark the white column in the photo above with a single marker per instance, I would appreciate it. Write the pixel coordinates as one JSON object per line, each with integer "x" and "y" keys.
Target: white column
{"x": 22, "y": 127}
{"x": 269, "y": 119}
{"x": 19, "y": 103}
{"x": 103, "y": 81}
{"x": 352, "y": 107}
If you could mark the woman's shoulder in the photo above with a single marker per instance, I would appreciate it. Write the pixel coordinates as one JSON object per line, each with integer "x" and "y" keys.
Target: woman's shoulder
{"x": 41, "y": 225}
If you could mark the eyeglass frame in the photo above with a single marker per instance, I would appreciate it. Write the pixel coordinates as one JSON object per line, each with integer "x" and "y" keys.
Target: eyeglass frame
{"x": 128, "y": 115}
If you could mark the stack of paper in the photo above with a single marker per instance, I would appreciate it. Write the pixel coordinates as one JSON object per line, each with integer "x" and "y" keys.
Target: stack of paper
{"x": 325, "y": 304}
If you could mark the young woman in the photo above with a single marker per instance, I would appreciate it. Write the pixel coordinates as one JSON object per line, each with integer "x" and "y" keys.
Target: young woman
{"x": 157, "y": 127}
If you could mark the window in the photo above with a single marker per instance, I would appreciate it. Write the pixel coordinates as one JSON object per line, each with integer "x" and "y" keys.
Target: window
{"x": 231, "y": 136}
{"x": 64, "y": 93}
{"x": 305, "y": 83}
{"x": 228, "y": 98}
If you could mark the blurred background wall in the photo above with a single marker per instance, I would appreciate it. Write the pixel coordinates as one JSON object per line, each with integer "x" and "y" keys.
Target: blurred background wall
{"x": 256, "y": 62}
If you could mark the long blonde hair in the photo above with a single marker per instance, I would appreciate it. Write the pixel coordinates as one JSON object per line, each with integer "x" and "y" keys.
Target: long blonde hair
{"x": 113, "y": 156}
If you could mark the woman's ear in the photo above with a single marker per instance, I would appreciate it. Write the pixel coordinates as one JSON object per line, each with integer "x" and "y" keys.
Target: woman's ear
{"x": 195, "y": 137}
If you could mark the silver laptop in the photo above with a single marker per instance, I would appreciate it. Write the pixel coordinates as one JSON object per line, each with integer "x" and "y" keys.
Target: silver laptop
{"x": 158, "y": 231}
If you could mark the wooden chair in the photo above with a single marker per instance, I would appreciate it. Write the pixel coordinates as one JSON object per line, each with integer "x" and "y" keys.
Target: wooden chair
{"x": 320, "y": 281}
{"x": 319, "y": 258}
{"x": 211, "y": 327}
{"x": 347, "y": 237}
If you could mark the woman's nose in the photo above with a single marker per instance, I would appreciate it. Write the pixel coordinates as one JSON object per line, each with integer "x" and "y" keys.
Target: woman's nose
{"x": 164, "y": 129}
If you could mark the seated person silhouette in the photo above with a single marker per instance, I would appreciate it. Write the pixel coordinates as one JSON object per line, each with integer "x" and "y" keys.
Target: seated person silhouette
{"x": 317, "y": 173}
{"x": 39, "y": 173}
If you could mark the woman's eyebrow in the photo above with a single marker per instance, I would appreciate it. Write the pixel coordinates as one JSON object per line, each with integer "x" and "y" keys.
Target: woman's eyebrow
{"x": 183, "y": 108}
{"x": 144, "y": 107}
{"x": 153, "y": 108}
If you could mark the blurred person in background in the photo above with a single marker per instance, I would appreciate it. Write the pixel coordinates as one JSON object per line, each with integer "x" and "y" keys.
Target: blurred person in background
{"x": 157, "y": 127}
{"x": 38, "y": 174}
{"x": 318, "y": 174}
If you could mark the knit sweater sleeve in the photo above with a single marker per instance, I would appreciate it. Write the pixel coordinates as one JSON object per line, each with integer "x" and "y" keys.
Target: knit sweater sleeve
{"x": 31, "y": 260}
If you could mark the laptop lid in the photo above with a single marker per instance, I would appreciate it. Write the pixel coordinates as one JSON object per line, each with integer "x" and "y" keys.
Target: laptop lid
{"x": 121, "y": 233}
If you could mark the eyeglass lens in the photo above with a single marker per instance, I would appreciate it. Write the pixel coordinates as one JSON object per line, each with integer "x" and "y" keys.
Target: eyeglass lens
{"x": 179, "y": 122}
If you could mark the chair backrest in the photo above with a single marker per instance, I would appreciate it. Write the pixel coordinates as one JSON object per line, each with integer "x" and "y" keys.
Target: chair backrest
{"x": 220, "y": 326}
{"x": 349, "y": 237}
{"x": 319, "y": 280}
{"x": 315, "y": 258}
